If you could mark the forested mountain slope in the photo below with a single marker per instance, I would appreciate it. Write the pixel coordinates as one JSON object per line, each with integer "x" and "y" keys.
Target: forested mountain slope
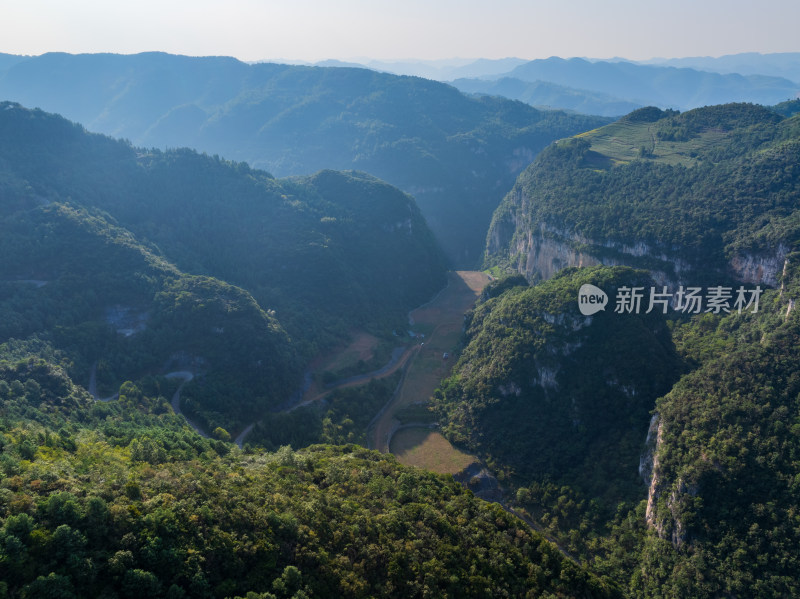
{"x": 120, "y": 499}
{"x": 723, "y": 461}
{"x": 456, "y": 155}
{"x": 130, "y": 263}
{"x": 701, "y": 407}
{"x": 100, "y": 239}
{"x": 662, "y": 453}
{"x": 544, "y": 392}
{"x": 121, "y": 312}
{"x": 704, "y": 196}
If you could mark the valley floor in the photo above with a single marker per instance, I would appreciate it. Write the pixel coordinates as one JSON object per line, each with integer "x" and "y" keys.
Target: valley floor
{"x": 441, "y": 321}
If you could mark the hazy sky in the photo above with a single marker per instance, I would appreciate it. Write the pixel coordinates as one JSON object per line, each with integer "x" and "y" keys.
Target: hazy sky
{"x": 318, "y": 29}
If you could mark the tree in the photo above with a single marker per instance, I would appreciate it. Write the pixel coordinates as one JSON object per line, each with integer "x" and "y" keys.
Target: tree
{"x": 221, "y": 434}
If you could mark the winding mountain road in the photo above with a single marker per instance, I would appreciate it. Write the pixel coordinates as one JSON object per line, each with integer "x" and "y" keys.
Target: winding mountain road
{"x": 399, "y": 358}
{"x": 186, "y": 376}
{"x": 93, "y": 386}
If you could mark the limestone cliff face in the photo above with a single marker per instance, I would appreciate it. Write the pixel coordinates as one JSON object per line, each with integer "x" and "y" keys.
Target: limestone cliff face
{"x": 538, "y": 250}
{"x": 649, "y": 469}
{"x": 760, "y": 268}
{"x": 665, "y": 518}
{"x": 544, "y": 252}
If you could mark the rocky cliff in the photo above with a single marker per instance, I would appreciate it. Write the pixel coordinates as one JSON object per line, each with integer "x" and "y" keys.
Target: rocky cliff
{"x": 712, "y": 201}
{"x": 539, "y": 250}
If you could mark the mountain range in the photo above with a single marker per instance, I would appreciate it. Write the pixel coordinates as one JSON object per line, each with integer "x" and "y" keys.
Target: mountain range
{"x": 657, "y": 443}
{"x": 784, "y": 64}
{"x": 126, "y": 268}
{"x": 614, "y": 87}
{"x": 620, "y": 82}
{"x": 456, "y": 155}
{"x": 547, "y": 95}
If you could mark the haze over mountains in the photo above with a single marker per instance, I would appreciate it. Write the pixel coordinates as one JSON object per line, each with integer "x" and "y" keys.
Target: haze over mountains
{"x": 414, "y": 133}
{"x": 456, "y": 155}
{"x": 205, "y": 259}
{"x": 616, "y": 86}
{"x": 439, "y": 70}
{"x": 643, "y": 85}
{"x": 785, "y": 64}
{"x": 545, "y": 94}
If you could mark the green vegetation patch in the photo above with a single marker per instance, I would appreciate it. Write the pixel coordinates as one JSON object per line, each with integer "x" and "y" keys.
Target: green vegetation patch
{"x": 544, "y": 393}
{"x": 121, "y": 499}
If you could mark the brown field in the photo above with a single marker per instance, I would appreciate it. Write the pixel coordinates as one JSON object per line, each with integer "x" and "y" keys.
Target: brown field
{"x": 443, "y": 316}
{"x": 310, "y": 395}
{"x": 428, "y": 449}
{"x": 362, "y": 347}
{"x": 429, "y": 367}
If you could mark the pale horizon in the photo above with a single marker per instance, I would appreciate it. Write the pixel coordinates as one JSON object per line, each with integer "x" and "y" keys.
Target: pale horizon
{"x": 389, "y": 60}
{"x": 313, "y": 30}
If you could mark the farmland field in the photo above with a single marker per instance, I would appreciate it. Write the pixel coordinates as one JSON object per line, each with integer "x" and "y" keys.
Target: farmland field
{"x": 443, "y": 317}
{"x": 418, "y": 446}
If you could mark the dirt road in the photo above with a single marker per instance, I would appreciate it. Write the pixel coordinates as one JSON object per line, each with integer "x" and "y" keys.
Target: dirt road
{"x": 444, "y": 314}
{"x": 399, "y": 358}
{"x": 186, "y": 376}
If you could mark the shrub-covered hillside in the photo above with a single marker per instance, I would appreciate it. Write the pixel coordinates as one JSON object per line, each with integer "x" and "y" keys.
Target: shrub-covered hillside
{"x": 705, "y": 198}
{"x": 661, "y": 453}
{"x": 544, "y": 392}
{"x": 120, "y": 499}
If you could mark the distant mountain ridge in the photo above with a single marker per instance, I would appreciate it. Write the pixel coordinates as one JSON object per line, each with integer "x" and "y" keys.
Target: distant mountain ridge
{"x": 544, "y": 94}
{"x": 615, "y": 87}
{"x": 782, "y": 64}
{"x": 583, "y": 84}
{"x": 438, "y": 70}
{"x": 446, "y": 71}
{"x": 666, "y": 87}
{"x": 777, "y": 64}
{"x": 9, "y": 60}
{"x": 456, "y": 155}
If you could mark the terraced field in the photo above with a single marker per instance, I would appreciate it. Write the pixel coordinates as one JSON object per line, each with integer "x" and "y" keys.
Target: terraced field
{"x": 622, "y": 142}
